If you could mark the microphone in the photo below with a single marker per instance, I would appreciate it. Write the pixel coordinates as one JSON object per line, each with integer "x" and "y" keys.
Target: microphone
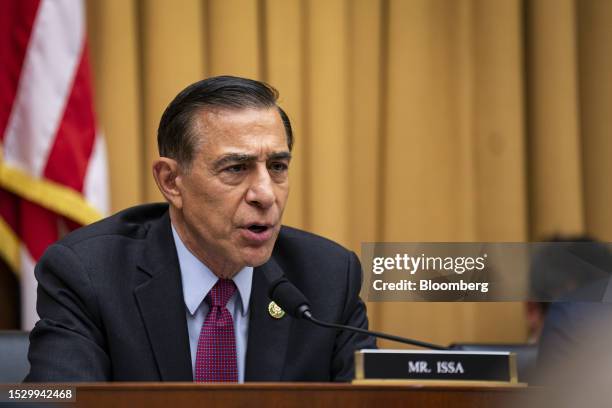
{"x": 293, "y": 301}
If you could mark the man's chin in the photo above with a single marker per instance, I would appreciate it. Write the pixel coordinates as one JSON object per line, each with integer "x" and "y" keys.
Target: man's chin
{"x": 258, "y": 257}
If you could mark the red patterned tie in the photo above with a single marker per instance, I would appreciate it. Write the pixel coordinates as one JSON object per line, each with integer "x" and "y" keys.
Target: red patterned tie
{"x": 216, "y": 356}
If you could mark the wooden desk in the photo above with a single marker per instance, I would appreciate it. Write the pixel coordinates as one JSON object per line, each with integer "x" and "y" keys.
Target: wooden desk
{"x": 268, "y": 395}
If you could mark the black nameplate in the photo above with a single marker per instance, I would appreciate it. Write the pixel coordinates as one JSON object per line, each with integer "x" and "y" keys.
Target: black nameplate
{"x": 435, "y": 365}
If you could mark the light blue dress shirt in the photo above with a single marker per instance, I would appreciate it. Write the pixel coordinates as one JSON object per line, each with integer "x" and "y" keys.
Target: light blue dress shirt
{"x": 198, "y": 280}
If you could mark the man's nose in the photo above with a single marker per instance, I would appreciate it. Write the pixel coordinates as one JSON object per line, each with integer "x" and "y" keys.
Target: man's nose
{"x": 261, "y": 189}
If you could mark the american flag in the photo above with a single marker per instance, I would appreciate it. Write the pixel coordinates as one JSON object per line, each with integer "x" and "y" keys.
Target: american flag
{"x": 53, "y": 174}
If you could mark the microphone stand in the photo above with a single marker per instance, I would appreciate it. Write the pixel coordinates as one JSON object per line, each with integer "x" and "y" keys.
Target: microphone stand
{"x": 308, "y": 316}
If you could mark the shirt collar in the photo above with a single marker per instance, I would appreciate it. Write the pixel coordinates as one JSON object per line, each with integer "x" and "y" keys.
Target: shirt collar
{"x": 198, "y": 279}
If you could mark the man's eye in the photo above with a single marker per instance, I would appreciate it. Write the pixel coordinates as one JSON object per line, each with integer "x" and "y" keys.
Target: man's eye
{"x": 278, "y": 167}
{"x": 237, "y": 168}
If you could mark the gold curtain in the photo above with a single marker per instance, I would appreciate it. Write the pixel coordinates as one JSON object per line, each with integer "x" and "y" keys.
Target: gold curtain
{"x": 415, "y": 120}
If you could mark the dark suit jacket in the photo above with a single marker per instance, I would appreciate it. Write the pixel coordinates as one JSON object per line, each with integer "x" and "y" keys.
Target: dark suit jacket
{"x": 111, "y": 307}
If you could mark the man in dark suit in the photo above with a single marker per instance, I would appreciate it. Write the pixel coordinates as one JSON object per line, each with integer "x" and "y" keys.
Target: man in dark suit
{"x": 177, "y": 291}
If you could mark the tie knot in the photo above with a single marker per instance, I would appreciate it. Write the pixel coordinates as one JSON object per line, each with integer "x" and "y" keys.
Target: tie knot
{"x": 221, "y": 293}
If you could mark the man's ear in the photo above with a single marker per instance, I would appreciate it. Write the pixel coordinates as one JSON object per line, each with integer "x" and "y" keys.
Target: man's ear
{"x": 165, "y": 172}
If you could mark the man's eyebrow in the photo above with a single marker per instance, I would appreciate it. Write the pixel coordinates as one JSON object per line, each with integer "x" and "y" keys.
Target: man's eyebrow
{"x": 237, "y": 158}
{"x": 233, "y": 158}
{"x": 280, "y": 156}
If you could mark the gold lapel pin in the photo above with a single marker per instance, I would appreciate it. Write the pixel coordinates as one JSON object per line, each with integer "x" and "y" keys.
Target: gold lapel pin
{"x": 275, "y": 311}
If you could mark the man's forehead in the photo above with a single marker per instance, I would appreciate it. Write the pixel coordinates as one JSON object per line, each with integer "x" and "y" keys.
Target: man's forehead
{"x": 252, "y": 131}
{"x": 254, "y": 143}
{"x": 221, "y": 116}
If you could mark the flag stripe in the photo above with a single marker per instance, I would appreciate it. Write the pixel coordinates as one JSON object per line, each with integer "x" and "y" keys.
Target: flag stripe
{"x": 16, "y": 22}
{"x": 73, "y": 144}
{"x": 46, "y": 81}
{"x": 96, "y": 179}
{"x": 29, "y": 316}
{"x": 38, "y": 228}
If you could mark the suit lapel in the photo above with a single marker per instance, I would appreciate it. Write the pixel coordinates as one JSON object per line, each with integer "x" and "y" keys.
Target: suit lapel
{"x": 268, "y": 337}
{"x": 162, "y": 306}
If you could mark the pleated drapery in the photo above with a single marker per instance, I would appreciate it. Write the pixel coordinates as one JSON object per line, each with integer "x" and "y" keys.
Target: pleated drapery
{"x": 415, "y": 120}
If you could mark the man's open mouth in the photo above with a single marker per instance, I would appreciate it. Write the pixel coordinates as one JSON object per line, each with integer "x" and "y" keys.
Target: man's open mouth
{"x": 258, "y": 233}
{"x": 257, "y": 228}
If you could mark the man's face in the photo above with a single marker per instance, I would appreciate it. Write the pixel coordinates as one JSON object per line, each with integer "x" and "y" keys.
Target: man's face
{"x": 234, "y": 194}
